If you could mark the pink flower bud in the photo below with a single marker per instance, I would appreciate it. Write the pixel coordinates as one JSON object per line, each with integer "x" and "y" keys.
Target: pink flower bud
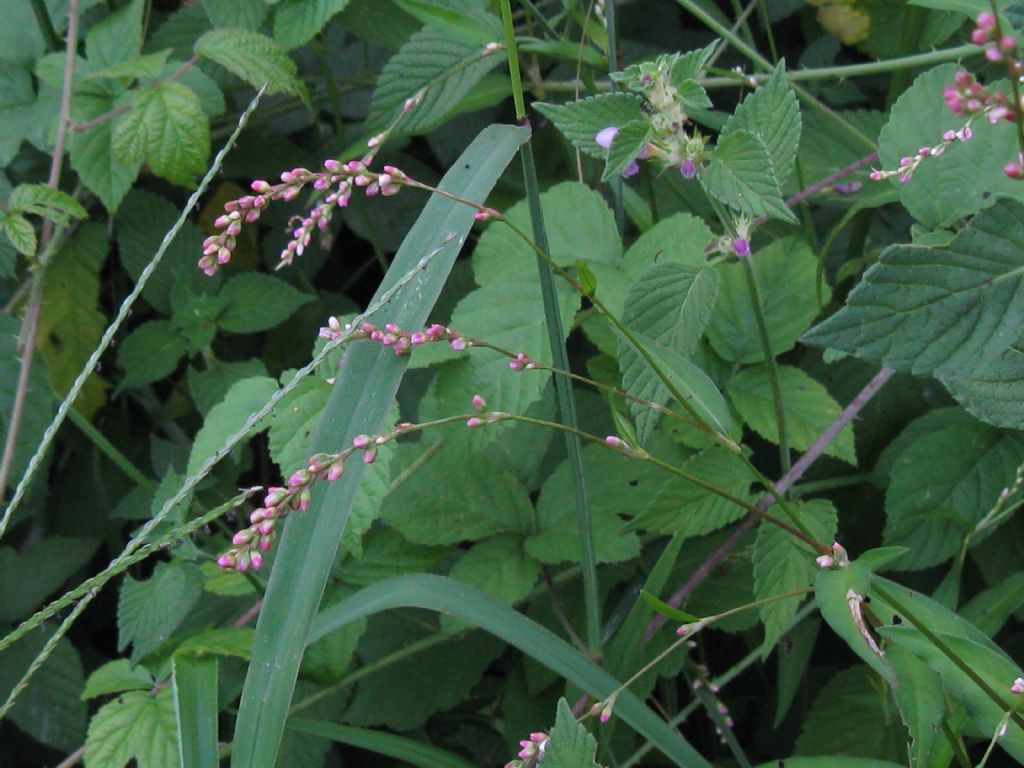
{"x": 333, "y": 165}
{"x": 335, "y": 472}
{"x": 475, "y": 422}
{"x": 688, "y": 168}
{"x": 615, "y": 441}
{"x": 459, "y": 344}
{"x": 1014, "y": 170}
{"x": 993, "y": 54}
{"x": 260, "y": 187}
{"x": 361, "y": 441}
{"x": 985, "y": 20}
{"x": 242, "y": 538}
{"x": 226, "y": 561}
{"x": 1007, "y": 43}
{"x": 606, "y": 136}
{"x": 875, "y": 175}
{"x": 300, "y": 477}
{"x": 1018, "y": 686}
{"x": 257, "y": 560}
{"x": 479, "y": 403}
{"x": 370, "y": 456}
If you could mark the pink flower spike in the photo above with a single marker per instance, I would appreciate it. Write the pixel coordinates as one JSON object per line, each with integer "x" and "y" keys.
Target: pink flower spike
{"x": 606, "y": 136}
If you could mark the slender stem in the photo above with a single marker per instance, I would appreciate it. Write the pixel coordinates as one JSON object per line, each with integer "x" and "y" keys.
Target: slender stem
{"x": 30, "y": 322}
{"x": 559, "y": 353}
{"x": 73, "y": 759}
{"x": 45, "y": 25}
{"x": 831, "y": 484}
{"x": 757, "y": 302}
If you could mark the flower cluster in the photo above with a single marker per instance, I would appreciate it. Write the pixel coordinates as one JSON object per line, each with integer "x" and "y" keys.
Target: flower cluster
{"x": 338, "y": 179}
{"x": 532, "y": 751}
{"x": 838, "y": 559}
{"x": 249, "y": 544}
{"x": 393, "y": 337}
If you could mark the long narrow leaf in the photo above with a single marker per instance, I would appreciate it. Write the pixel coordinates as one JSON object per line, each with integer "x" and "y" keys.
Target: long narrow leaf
{"x": 359, "y": 402}
{"x": 195, "y": 708}
{"x": 438, "y": 593}
{"x": 399, "y": 747}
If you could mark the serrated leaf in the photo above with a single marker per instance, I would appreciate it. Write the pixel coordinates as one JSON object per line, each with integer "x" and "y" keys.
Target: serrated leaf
{"x": 295, "y": 419}
{"x": 42, "y": 200}
{"x": 680, "y": 507}
{"x": 571, "y": 745}
{"x": 137, "y": 725}
{"x": 629, "y": 142}
{"x": 938, "y": 311}
{"x": 35, "y": 571}
{"x": 257, "y": 302}
{"x": 227, "y": 417}
{"x": 70, "y": 324}
{"x": 670, "y": 303}
{"x": 296, "y": 22}
{"x": 20, "y": 232}
{"x": 244, "y": 14}
{"x": 463, "y": 20}
{"x": 147, "y": 65}
{"x": 117, "y": 37}
{"x": 209, "y": 386}
{"x": 441, "y": 503}
{"x": 167, "y": 130}
{"x": 386, "y": 554}
{"x": 255, "y": 58}
{"x": 92, "y": 156}
{"x": 151, "y": 352}
{"x": 920, "y": 700}
{"x": 580, "y": 121}
{"x": 328, "y": 659}
{"x": 772, "y": 114}
{"x": 148, "y": 611}
{"x": 969, "y": 176}
{"x": 806, "y": 404}
{"x": 500, "y": 568}
{"x": 993, "y": 392}
{"x": 219, "y": 641}
{"x": 442, "y": 69}
{"x": 785, "y": 277}
{"x": 39, "y": 403}
{"x": 117, "y": 676}
{"x": 783, "y": 564}
{"x": 740, "y": 175}
{"x": 968, "y": 466}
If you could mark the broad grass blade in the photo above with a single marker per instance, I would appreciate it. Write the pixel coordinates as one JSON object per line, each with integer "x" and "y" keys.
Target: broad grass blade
{"x": 195, "y": 708}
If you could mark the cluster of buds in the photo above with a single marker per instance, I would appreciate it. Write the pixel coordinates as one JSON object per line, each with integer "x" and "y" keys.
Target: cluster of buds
{"x": 337, "y": 178}
{"x": 486, "y": 417}
{"x": 838, "y": 559}
{"x": 910, "y": 163}
{"x": 532, "y": 750}
{"x": 393, "y": 337}
{"x": 249, "y": 544}
{"x": 998, "y": 47}
{"x": 602, "y": 710}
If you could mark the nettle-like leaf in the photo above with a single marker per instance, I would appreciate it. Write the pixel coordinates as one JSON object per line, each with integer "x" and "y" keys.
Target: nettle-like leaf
{"x": 39, "y": 402}
{"x": 680, "y": 507}
{"x": 328, "y": 659}
{"x": 296, "y": 22}
{"x": 252, "y": 56}
{"x": 247, "y": 14}
{"x": 783, "y": 564}
{"x": 147, "y": 65}
{"x": 627, "y": 144}
{"x": 740, "y": 174}
{"x": 772, "y": 114}
{"x": 227, "y": 417}
{"x": 167, "y": 130}
{"x": 117, "y": 676}
{"x": 385, "y": 554}
{"x": 151, "y": 352}
{"x": 20, "y": 232}
{"x": 671, "y": 304}
{"x": 42, "y": 200}
{"x": 580, "y": 121}
{"x": 571, "y": 745}
{"x": 994, "y": 391}
{"x": 920, "y": 700}
{"x": 969, "y": 176}
{"x": 257, "y": 302}
{"x": 117, "y": 37}
{"x": 92, "y": 155}
{"x": 150, "y": 610}
{"x": 136, "y": 726}
{"x": 444, "y": 70}
{"x": 938, "y": 310}
{"x": 459, "y": 19}
{"x": 806, "y": 404}
{"x": 929, "y": 512}
{"x": 785, "y": 276}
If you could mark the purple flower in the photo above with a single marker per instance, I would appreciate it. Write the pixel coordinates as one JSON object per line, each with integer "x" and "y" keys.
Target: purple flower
{"x": 605, "y": 137}
{"x": 631, "y": 170}
{"x": 688, "y": 168}
{"x": 741, "y": 247}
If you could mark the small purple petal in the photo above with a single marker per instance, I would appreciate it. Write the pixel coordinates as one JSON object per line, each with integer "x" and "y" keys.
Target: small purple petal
{"x": 605, "y": 137}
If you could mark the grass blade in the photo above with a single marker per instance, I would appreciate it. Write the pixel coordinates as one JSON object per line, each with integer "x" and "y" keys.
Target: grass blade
{"x": 358, "y": 404}
{"x": 195, "y": 708}
{"x": 399, "y": 747}
{"x": 438, "y": 593}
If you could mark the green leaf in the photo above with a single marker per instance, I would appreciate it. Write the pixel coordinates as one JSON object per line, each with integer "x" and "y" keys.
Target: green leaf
{"x": 500, "y": 568}
{"x": 921, "y": 702}
{"x": 670, "y": 303}
{"x": 194, "y": 679}
{"x": 37, "y": 570}
{"x": 443, "y": 503}
{"x": 149, "y": 611}
{"x": 295, "y": 419}
{"x": 969, "y": 176}
{"x": 116, "y": 677}
{"x": 39, "y": 402}
{"x": 989, "y": 610}
{"x": 570, "y": 745}
{"x": 832, "y": 761}
{"x": 440, "y": 594}
{"x": 243, "y": 399}
{"x": 167, "y": 130}
{"x": 406, "y": 750}
{"x": 49, "y": 710}
{"x": 968, "y": 467}
{"x": 808, "y": 408}
{"x": 433, "y": 65}
{"x": 258, "y": 302}
{"x": 209, "y": 386}
{"x": 462, "y": 20}
{"x": 148, "y": 65}
{"x": 667, "y": 610}
{"x": 329, "y": 659}
{"x": 151, "y": 352}
{"x": 70, "y": 322}
{"x": 740, "y": 175}
{"x": 772, "y": 114}
{"x": 938, "y": 311}
{"x": 681, "y": 507}
{"x": 137, "y": 725}
{"x": 116, "y": 38}
{"x": 255, "y": 58}
{"x": 386, "y": 554}
{"x": 994, "y": 391}
{"x": 359, "y": 403}
{"x": 783, "y": 564}
{"x": 580, "y": 121}
{"x": 689, "y": 385}
{"x": 627, "y": 144}
{"x": 296, "y": 22}
{"x": 92, "y": 156}
{"x": 42, "y": 200}
{"x": 246, "y": 14}
{"x": 785, "y": 275}
{"x": 219, "y": 641}
{"x": 20, "y": 232}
